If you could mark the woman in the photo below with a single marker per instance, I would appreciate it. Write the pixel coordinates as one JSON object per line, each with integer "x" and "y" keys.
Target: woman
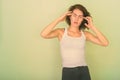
{"x": 72, "y": 41}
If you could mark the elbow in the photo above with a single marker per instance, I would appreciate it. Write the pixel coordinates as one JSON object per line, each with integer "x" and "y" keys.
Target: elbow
{"x": 105, "y": 44}
{"x": 42, "y": 35}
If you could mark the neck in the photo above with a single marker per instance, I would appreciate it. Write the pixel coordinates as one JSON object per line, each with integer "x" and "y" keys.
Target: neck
{"x": 73, "y": 29}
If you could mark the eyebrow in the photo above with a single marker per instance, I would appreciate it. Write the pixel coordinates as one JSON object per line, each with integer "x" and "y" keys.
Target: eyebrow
{"x": 77, "y": 15}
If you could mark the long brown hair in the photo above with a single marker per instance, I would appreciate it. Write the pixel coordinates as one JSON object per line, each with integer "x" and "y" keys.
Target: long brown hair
{"x": 85, "y": 13}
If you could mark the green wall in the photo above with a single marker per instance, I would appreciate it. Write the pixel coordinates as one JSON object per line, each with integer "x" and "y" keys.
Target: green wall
{"x": 24, "y": 55}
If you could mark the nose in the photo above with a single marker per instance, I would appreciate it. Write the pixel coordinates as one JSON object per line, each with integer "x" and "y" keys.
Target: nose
{"x": 76, "y": 18}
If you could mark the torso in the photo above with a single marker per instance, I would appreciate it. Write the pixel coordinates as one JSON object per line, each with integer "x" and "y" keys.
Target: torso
{"x": 72, "y": 49}
{"x": 70, "y": 33}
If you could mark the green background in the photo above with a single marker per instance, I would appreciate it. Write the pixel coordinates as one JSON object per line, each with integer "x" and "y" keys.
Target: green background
{"x": 24, "y": 55}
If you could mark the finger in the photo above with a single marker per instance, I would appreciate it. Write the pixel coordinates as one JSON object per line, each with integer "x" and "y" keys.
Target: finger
{"x": 89, "y": 18}
{"x": 69, "y": 13}
{"x": 86, "y": 24}
{"x": 86, "y": 19}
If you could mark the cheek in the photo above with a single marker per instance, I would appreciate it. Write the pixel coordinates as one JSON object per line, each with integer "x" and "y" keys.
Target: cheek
{"x": 80, "y": 20}
{"x": 72, "y": 19}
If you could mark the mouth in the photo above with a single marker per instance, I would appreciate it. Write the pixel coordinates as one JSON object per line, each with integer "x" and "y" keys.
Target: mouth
{"x": 75, "y": 22}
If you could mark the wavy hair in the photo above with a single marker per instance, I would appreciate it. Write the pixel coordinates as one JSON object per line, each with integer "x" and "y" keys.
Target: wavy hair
{"x": 85, "y": 13}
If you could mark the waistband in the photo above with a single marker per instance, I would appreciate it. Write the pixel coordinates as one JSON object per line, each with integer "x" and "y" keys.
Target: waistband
{"x": 75, "y": 67}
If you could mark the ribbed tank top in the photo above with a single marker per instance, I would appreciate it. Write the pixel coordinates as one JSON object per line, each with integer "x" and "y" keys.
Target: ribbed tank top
{"x": 72, "y": 50}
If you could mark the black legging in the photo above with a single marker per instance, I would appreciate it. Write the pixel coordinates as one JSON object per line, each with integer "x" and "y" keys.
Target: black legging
{"x": 76, "y": 73}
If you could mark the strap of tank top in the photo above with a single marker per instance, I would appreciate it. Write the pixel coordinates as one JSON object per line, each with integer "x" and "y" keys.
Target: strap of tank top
{"x": 65, "y": 31}
{"x": 83, "y": 34}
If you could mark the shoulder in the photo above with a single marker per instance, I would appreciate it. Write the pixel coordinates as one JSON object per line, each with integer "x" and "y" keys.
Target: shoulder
{"x": 87, "y": 34}
{"x": 60, "y": 30}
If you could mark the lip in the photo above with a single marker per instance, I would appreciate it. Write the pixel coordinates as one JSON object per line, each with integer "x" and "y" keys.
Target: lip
{"x": 75, "y": 22}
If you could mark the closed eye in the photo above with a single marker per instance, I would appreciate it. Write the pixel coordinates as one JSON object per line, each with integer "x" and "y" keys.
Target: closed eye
{"x": 75, "y": 15}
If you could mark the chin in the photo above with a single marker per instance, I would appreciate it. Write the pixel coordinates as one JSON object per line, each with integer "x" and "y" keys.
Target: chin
{"x": 76, "y": 26}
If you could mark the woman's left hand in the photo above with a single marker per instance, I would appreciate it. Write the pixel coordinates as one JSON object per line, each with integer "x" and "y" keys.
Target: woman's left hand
{"x": 90, "y": 22}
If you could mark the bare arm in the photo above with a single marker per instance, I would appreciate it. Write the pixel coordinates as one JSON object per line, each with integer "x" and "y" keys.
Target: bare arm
{"x": 49, "y": 31}
{"x": 98, "y": 37}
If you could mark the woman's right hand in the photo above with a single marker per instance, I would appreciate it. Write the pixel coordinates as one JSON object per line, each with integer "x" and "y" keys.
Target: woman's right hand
{"x": 63, "y": 17}
{"x": 49, "y": 32}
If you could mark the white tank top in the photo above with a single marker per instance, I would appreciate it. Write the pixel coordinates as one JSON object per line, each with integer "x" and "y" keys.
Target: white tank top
{"x": 72, "y": 50}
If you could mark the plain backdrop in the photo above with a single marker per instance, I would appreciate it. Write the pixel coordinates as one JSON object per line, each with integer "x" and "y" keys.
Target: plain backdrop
{"x": 24, "y": 55}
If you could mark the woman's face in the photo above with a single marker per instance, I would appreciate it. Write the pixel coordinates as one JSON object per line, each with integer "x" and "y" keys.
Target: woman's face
{"x": 76, "y": 17}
